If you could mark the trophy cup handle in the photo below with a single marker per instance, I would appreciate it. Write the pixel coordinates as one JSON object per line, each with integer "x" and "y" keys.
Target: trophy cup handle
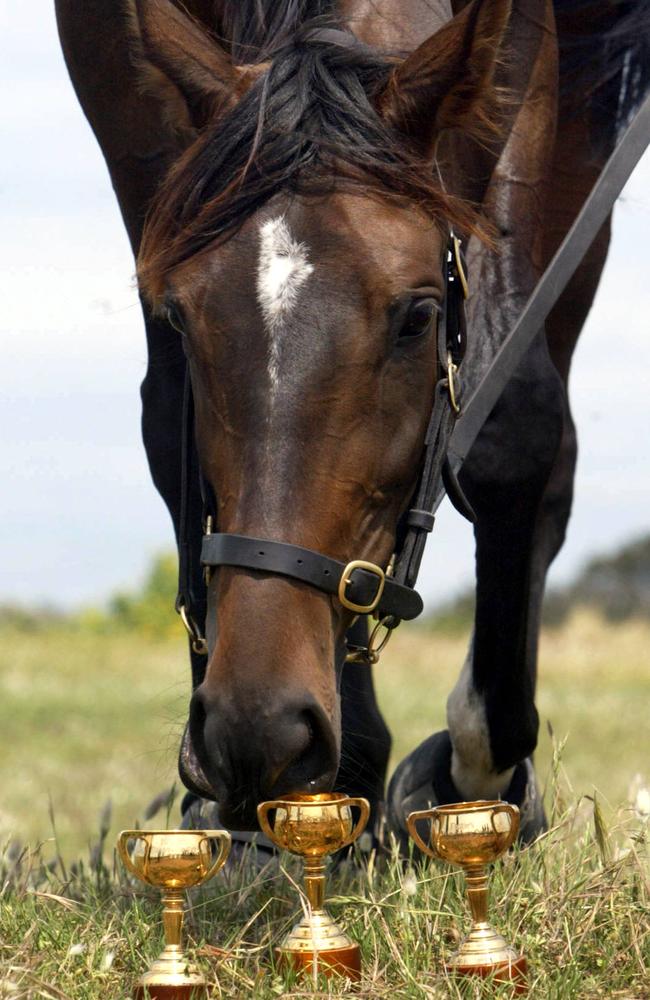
{"x": 224, "y": 840}
{"x": 364, "y": 813}
{"x": 122, "y": 841}
{"x": 411, "y": 821}
{"x": 263, "y": 810}
{"x": 512, "y": 811}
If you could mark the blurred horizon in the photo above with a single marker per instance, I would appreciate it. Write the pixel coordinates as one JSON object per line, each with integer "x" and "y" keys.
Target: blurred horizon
{"x": 612, "y": 582}
{"x": 81, "y": 517}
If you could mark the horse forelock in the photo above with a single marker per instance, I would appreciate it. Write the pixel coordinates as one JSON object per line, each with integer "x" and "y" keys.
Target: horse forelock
{"x": 308, "y": 124}
{"x": 255, "y": 29}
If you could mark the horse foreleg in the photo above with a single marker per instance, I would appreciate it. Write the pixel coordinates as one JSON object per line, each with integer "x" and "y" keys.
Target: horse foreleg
{"x": 491, "y": 712}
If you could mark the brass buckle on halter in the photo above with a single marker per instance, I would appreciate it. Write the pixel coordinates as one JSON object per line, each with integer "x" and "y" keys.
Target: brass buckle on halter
{"x": 361, "y": 609}
{"x": 197, "y": 641}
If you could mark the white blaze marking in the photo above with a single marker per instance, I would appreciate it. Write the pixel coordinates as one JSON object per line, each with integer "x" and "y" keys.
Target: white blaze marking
{"x": 472, "y": 767}
{"x": 282, "y": 270}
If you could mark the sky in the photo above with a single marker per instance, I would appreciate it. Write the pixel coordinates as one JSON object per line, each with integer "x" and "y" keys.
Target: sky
{"x": 79, "y": 516}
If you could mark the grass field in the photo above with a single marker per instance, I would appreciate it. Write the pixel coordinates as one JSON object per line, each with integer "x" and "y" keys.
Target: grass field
{"x": 88, "y": 718}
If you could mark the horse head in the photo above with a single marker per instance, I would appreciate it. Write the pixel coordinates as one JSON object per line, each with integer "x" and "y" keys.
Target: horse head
{"x": 297, "y": 246}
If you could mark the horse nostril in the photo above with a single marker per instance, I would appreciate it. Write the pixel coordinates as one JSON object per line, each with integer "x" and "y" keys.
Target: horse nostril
{"x": 314, "y": 767}
{"x": 247, "y": 758}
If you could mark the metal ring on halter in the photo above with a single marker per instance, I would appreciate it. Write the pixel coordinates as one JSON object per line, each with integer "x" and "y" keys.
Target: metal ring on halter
{"x": 451, "y": 383}
{"x": 198, "y": 642}
{"x": 375, "y": 650}
{"x": 370, "y": 654}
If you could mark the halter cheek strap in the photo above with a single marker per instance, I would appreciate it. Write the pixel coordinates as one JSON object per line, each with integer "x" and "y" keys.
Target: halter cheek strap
{"x": 419, "y": 520}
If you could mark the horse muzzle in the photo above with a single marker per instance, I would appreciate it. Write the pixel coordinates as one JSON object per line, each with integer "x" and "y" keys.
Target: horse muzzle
{"x": 241, "y": 757}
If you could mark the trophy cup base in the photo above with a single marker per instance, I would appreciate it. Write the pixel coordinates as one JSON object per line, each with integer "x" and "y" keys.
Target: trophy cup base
{"x": 332, "y": 962}
{"x": 167, "y": 991}
{"x": 171, "y": 977}
{"x": 485, "y": 953}
{"x": 318, "y": 941}
{"x": 513, "y": 972}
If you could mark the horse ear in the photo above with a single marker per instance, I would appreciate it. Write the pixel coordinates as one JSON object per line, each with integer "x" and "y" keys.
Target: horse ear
{"x": 449, "y": 81}
{"x": 184, "y": 66}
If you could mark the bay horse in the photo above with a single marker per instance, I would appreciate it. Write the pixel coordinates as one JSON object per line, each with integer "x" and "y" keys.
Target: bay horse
{"x": 289, "y": 174}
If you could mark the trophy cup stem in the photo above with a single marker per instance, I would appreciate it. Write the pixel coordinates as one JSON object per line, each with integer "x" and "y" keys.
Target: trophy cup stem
{"x": 484, "y": 952}
{"x": 315, "y": 882}
{"x": 477, "y": 891}
{"x": 173, "y": 918}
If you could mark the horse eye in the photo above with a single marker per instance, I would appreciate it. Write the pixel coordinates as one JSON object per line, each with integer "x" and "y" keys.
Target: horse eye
{"x": 419, "y": 318}
{"x": 174, "y": 317}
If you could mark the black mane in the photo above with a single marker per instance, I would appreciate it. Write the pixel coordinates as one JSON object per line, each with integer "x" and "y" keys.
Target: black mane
{"x": 310, "y": 115}
{"x": 255, "y": 29}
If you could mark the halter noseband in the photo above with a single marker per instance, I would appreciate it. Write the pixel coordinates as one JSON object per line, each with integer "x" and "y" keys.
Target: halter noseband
{"x": 361, "y": 587}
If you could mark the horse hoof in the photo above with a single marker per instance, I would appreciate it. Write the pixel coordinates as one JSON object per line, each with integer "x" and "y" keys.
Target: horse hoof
{"x": 423, "y": 780}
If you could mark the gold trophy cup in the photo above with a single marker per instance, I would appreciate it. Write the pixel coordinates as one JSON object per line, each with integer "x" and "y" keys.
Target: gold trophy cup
{"x": 314, "y": 826}
{"x": 172, "y": 861}
{"x": 474, "y": 834}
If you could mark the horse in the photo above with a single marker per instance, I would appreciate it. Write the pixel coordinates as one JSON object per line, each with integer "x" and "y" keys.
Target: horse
{"x": 291, "y": 176}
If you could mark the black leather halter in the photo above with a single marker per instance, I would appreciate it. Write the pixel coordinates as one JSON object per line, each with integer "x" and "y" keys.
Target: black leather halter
{"x": 360, "y": 586}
